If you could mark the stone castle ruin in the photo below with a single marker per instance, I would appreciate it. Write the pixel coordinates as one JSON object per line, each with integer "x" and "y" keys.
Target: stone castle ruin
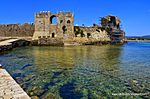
{"x": 47, "y": 31}
{"x": 112, "y": 25}
{"x": 63, "y": 32}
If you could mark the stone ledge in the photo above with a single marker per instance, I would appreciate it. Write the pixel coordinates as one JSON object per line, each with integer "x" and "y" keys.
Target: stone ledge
{"x": 9, "y": 89}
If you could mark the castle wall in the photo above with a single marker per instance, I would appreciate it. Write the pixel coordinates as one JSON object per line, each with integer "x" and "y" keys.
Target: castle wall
{"x": 113, "y": 23}
{"x": 44, "y": 28}
{"x": 94, "y": 33}
{"x": 16, "y": 30}
{"x": 45, "y": 32}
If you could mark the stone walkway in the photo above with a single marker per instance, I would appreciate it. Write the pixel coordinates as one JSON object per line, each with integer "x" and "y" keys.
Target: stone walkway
{"x": 7, "y": 42}
{"x": 9, "y": 89}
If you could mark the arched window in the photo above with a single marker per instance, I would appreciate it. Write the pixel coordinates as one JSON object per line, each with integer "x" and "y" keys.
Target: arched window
{"x": 68, "y": 22}
{"x": 53, "y": 35}
{"x": 64, "y": 29}
{"x": 88, "y": 35}
{"x": 61, "y": 21}
{"x": 53, "y": 19}
{"x": 82, "y": 35}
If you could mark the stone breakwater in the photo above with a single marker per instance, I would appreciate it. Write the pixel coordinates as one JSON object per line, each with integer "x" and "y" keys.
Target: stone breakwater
{"x": 9, "y": 89}
{"x": 12, "y": 43}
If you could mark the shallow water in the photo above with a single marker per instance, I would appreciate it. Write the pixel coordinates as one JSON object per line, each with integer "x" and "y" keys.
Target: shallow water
{"x": 87, "y": 72}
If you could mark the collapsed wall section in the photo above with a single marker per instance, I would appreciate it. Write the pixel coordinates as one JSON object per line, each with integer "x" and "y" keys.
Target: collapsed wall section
{"x": 91, "y": 33}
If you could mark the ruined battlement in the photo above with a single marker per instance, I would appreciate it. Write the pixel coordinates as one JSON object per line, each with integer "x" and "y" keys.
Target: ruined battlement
{"x": 67, "y": 14}
{"x": 111, "y": 21}
{"x": 44, "y": 14}
{"x": 112, "y": 24}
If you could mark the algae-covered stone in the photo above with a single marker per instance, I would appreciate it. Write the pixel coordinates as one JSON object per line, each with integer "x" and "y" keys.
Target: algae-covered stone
{"x": 34, "y": 97}
{"x": 85, "y": 93}
{"x": 48, "y": 96}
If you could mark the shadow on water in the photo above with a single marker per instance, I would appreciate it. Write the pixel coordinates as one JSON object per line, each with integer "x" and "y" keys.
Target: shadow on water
{"x": 56, "y": 74}
{"x": 26, "y": 66}
{"x": 67, "y": 91}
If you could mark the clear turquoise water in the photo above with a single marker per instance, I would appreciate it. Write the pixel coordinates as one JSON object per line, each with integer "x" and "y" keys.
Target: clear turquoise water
{"x": 81, "y": 72}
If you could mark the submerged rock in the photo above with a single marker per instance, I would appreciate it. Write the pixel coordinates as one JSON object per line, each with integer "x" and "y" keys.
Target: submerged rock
{"x": 132, "y": 82}
{"x": 48, "y": 96}
{"x": 136, "y": 86}
{"x": 34, "y": 97}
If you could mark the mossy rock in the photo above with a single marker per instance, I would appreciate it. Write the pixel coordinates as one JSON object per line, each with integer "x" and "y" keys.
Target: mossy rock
{"x": 34, "y": 97}
{"x": 48, "y": 96}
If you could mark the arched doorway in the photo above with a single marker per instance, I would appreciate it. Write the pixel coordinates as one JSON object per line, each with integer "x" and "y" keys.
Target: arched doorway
{"x": 53, "y": 19}
{"x": 53, "y": 35}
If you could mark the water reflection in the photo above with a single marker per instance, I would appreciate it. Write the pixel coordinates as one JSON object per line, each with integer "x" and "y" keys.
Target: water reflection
{"x": 70, "y": 72}
{"x": 80, "y": 68}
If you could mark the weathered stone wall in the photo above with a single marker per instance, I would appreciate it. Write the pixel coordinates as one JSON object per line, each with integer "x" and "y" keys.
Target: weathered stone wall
{"x": 26, "y": 31}
{"x": 16, "y": 30}
{"x": 94, "y": 33}
{"x": 51, "y": 41}
{"x": 112, "y": 23}
{"x": 45, "y": 28}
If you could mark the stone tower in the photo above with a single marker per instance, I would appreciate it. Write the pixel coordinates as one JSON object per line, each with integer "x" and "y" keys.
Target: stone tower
{"x": 112, "y": 23}
{"x": 46, "y": 28}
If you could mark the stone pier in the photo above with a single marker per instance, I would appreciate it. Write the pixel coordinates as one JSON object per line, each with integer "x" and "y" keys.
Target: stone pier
{"x": 12, "y": 43}
{"x": 9, "y": 89}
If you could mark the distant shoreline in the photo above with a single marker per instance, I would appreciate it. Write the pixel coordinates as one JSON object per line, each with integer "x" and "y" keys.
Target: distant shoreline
{"x": 138, "y": 40}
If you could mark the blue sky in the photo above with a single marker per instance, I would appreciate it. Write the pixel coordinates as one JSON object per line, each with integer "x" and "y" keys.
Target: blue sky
{"x": 134, "y": 14}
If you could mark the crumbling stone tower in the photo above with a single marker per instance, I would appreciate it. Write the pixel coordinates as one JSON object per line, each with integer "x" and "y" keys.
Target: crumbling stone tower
{"x": 46, "y": 28}
{"x": 112, "y": 24}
